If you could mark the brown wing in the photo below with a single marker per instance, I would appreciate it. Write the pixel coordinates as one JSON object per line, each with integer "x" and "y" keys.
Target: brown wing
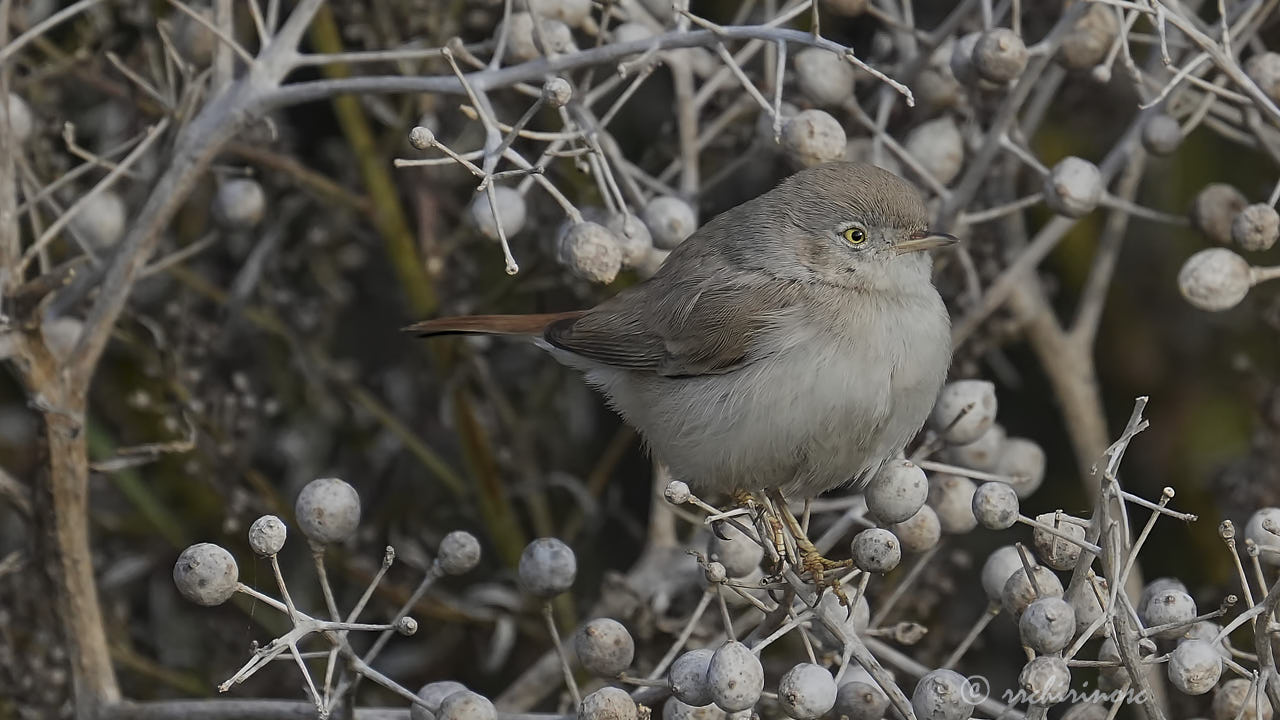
{"x": 701, "y": 326}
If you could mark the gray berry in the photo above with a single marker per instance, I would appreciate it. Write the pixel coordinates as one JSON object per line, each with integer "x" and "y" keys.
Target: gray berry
{"x": 1022, "y": 461}
{"x": 897, "y": 491}
{"x": 633, "y": 238}
{"x": 677, "y": 492}
{"x": 1087, "y": 42}
{"x": 1194, "y": 667}
{"x": 951, "y": 497}
{"x": 670, "y": 221}
{"x": 1214, "y": 209}
{"x": 999, "y": 55}
{"x": 459, "y": 552}
{"x": 1047, "y": 625}
{"x": 608, "y": 703}
{"x": 1237, "y": 696}
{"x": 939, "y": 148}
{"x": 1263, "y": 529}
{"x": 21, "y": 121}
{"x": 981, "y": 454}
{"x": 850, "y": 624}
{"x": 942, "y": 695}
{"x": 1264, "y": 70}
{"x": 590, "y": 251}
{"x": 328, "y": 511}
{"x": 813, "y": 137}
{"x": 995, "y": 505}
{"x": 240, "y": 203}
{"x": 522, "y": 43}
{"x": 824, "y": 77}
{"x": 807, "y": 691}
{"x": 687, "y": 677}
{"x": 1001, "y": 564}
{"x": 433, "y": 694}
{"x": 1215, "y": 279}
{"x": 466, "y": 705}
{"x": 964, "y": 411}
{"x": 1018, "y": 591}
{"x": 604, "y": 647}
{"x": 511, "y": 211}
{"x": 101, "y": 220}
{"x": 860, "y": 700}
{"x": 547, "y": 567}
{"x": 1169, "y": 607}
{"x": 1073, "y": 187}
{"x": 736, "y": 551}
{"x": 206, "y": 574}
{"x": 1046, "y": 680}
{"x": 961, "y": 61}
{"x": 920, "y": 532}
{"x": 557, "y": 92}
{"x": 1056, "y": 552}
{"x": 1162, "y": 134}
{"x": 267, "y": 535}
{"x": 1256, "y": 228}
{"x": 735, "y": 677}
{"x": 1088, "y": 608}
{"x": 876, "y": 551}
{"x": 676, "y": 709}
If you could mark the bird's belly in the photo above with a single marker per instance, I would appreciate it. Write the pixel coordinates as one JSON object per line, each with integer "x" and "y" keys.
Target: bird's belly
{"x": 805, "y": 420}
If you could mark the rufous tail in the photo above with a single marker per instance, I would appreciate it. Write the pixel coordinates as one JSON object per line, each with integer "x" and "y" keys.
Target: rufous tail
{"x": 489, "y": 324}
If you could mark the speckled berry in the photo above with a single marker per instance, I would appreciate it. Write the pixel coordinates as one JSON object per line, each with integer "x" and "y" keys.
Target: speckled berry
{"x": 459, "y": 552}
{"x": 1022, "y": 463}
{"x": 964, "y": 411}
{"x": 687, "y": 677}
{"x": 1195, "y": 667}
{"x": 813, "y": 137}
{"x": 1237, "y": 699}
{"x": 807, "y": 691}
{"x": 735, "y": 677}
{"x": 608, "y": 703}
{"x": 590, "y": 251}
{"x": 942, "y": 695}
{"x": 999, "y": 55}
{"x": 951, "y": 497}
{"x": 206, "y": 574}
{"x": 1054, "y": 551}
{"x": 1073, "y": 187}
{"x": 1215, "y": 279}
{"x": 1214, "y": 209}
{"x": 876, "y": 550}
{"x": 1047, "y": 625}
{"x": 240, "y": 203}
{"x": 328, "y": 511}
{"x": 267, "y": 535}
{"x": 466, "y": 705}
{"x": 897, "y": 491}
{"x": 996, "y": 571}
{"x": 920, "y": 532}
{"x": 995, "y": 505}
{"x": 604, "y": 647}
{"x": 1019, "y": 592}
{"x": 547, "y": 567}
{"x": 1263, "y": 529}
{"x": 1046, "y": 680}
{"x": 433, "y": 694}
{"x": 1256, "y": 228}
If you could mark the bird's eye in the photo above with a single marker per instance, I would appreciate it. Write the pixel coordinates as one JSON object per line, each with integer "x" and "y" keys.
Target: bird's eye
{"x": 855, "y": 236}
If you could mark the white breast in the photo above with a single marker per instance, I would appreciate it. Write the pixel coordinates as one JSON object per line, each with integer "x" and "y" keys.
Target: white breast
{"x": 846, "y": 389}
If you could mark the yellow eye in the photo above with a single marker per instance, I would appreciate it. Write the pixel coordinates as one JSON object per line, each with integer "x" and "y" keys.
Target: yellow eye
{"x": 854, "y": 236}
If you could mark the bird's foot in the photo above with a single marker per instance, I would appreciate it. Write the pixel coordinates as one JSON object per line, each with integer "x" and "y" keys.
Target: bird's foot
{"x": 803, "y": 554}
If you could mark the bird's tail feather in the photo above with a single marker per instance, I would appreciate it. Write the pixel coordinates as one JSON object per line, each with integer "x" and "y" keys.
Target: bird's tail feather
{"x": 489, "y": 324}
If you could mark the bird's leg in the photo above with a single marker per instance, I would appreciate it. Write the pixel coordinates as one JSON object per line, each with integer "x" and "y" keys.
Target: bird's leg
{"x": 810, "y": 560}
{"x": 767, "y": 524}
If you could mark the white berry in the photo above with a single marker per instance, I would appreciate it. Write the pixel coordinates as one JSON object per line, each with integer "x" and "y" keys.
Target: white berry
{"x": 267, "y": 535}
{"x": 807, "y": 691}
{"x": 735, "y": 677}
{"x": 876, "y": 550}
{"x": 964, "y": 411}
{"x": 459, "y": 552}
{"x": 897, "y": 491}
{"x": 1073, "y": 187}
{"x": 670, "y": 221}
{"x": 1215, "y": 279}
{"x": 511, "y": 212}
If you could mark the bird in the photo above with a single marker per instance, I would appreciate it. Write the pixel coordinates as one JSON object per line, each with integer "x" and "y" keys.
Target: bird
{"x": 792, "y": 344}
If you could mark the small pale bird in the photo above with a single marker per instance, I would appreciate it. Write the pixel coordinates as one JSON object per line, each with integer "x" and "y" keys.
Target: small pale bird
{"x": 792, "y": 343}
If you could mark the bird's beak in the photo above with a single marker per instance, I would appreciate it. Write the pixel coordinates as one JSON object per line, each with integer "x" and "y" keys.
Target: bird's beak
{"x": 924, "y": 240}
